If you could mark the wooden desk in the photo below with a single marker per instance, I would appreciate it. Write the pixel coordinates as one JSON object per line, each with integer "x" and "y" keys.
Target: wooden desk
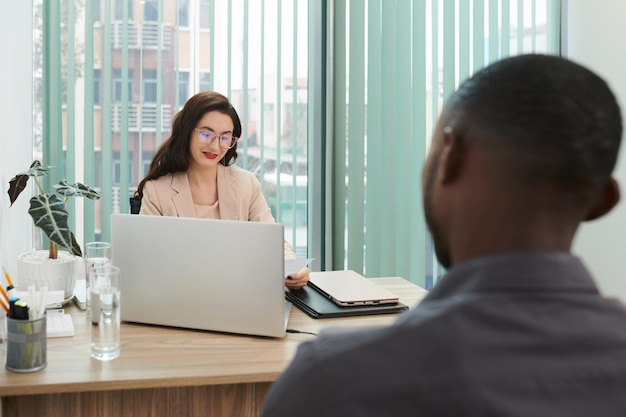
{"x": 168, "y": 372}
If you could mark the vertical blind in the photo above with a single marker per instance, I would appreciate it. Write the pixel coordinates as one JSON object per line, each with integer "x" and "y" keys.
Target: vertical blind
{"x": 394, "y": 64}
{"x": 115, "y": 72}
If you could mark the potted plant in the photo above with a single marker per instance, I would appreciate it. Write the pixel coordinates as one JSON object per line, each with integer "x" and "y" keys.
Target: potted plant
{"x": 53, "y": 268}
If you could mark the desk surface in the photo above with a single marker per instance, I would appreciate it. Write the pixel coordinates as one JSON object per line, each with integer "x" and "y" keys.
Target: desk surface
{"x": 159, "y": 357}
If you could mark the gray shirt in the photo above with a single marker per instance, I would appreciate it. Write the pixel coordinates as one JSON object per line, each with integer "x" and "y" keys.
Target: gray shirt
{"x": 513, "y": 334}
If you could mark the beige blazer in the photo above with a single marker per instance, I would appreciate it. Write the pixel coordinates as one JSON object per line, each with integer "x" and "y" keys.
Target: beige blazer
{"x": 238, "y": 190}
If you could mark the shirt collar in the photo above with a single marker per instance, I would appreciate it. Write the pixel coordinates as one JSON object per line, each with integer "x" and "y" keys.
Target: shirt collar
{"x": 519, "y": 271}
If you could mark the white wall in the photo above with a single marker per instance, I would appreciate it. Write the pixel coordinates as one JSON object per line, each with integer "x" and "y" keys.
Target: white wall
{"x": 595, "y": 36}
{"x": 16, "y": 148}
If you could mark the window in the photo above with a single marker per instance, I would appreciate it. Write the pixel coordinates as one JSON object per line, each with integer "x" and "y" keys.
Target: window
{"x": 269, "y": 116}
{"x": 150, "y": 10}
{"x": 117, "y": 167}
{"x": 183, "y": 88}
{"x": 119, "y": 9}
{"x": 183, "y": 13}
{"x": 205, "y": 14}
{"x": 98, "y": 168}
{"x": 205, "y": 82}
{"x": 97, "y": 86}
{"x": 149, "y": 86}
{"x": 145, "y": 163}
{"x": 129, "y": 120}
{"x": 117, "y": 85}
{"x": 431, "y": 46}
{"x": 96, "y": 11}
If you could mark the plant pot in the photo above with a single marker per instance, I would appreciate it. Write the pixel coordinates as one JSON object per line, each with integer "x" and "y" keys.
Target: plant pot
{"x": 35, "y": 268}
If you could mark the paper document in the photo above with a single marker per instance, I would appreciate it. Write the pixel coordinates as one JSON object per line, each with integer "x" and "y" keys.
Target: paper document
{"x": 295, "y": 265}
{"x": 53, "y": 297}
{"x": 80, "y": 294}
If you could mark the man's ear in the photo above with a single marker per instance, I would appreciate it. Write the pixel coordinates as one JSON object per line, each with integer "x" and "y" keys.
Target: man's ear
{"x": 451, "y": 156}
{"x": 606, "y": 201}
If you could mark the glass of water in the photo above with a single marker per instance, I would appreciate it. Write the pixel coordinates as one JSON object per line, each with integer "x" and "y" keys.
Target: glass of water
{"x": 105, "y": 311}
{"x": 96, "y": 253}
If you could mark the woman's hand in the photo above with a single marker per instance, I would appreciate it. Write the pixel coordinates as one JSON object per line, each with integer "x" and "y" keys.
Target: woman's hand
{"x": 297, "y": 280}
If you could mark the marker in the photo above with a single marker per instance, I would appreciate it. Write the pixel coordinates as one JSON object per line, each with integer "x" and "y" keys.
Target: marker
{"x": 18, "y": 309}
{"x": 21, "y": 310}
{"x": 12, "y": 301}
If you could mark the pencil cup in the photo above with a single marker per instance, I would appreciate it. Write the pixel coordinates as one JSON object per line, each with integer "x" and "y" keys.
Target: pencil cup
{"x": 105, "y": 312}
{"x": 3, "y": 331}
{"x": 26, "y": 347}
{"x": 96, "y": 253}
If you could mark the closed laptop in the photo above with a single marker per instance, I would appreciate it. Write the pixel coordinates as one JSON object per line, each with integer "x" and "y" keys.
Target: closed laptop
{"x": 319, "y": 306}
{"x": 349, "y": 288}
{"x": 217, "y": 275}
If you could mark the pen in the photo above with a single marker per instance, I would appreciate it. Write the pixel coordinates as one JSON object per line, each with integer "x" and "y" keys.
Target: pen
{"x": 7, "y": 276}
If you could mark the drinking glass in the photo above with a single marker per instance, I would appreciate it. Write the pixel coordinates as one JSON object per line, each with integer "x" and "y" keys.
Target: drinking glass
{"x": 96, "y": 253}
{"x": 105, "y": 311}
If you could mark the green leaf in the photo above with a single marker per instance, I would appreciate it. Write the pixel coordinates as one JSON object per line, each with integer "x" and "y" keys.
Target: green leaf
{"x": 19, "y": 182}
{"x": 16, "y": 186}
{"x": 80, "y": 190}
{"x": 37, "y": 170}
{"x": 49, "y": 213}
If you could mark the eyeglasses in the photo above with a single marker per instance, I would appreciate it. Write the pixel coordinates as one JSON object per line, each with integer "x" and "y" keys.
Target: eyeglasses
{"x": 226, "y": 141}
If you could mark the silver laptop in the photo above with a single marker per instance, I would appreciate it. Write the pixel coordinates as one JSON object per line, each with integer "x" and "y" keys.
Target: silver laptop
{"x": 217, "y": 275}
{"x": 349, "y": 288}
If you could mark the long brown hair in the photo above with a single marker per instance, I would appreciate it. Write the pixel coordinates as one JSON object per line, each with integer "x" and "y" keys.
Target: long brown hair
{"x": 173, "y": 155}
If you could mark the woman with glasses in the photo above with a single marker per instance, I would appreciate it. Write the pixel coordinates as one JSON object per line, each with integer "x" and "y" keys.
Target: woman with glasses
{"x": 192, "y": 173}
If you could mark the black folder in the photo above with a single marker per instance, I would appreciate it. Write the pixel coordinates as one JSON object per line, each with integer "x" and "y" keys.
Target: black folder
{"x": 319, "y": 306}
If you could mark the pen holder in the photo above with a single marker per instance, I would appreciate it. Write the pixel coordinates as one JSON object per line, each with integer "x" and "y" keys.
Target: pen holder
{"x": 3, "y": 331}
{"x": 26, "y": 345}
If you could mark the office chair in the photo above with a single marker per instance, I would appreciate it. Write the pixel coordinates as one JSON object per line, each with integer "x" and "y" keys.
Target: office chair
{"x": 135, "y": 205}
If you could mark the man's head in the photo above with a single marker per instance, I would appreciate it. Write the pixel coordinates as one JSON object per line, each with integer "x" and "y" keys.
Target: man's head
{"x": 532, "y": 128}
